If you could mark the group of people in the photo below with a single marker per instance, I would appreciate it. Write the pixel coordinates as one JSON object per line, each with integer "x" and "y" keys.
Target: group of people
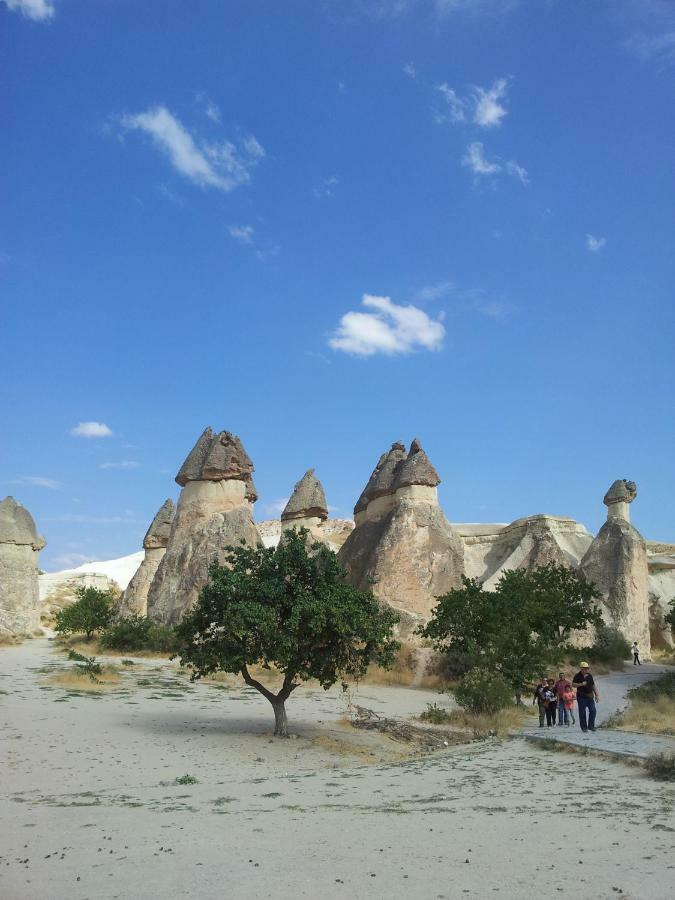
{"x": 556, "y": 699}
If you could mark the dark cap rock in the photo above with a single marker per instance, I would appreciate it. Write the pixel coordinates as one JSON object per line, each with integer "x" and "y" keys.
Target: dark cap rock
{"x": 621, "y": 491}
{"x": 216, "y": 457}
{"x": 416, "y": 469}
{"x": 307, "y": 500}
{"x": 157, "y": 534}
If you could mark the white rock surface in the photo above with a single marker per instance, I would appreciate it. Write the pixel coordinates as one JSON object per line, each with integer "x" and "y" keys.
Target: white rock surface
{"x": 20, "y": 546}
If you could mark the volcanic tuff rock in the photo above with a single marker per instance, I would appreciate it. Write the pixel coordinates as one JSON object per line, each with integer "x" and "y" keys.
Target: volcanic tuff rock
{"x": 402, "y": 546}
{"x": 20, "y": 546}
{"x": 307, "y": 508}
{"x": 214, "y": 511}
{"x": 135, "y": 598}
{"x": 617, "y": 562}
{"x": 661, "y": 562}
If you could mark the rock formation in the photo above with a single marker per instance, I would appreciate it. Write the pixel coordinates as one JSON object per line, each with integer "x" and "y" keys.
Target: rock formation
{"x": 214, "y": 511}
{"x": 306, "y": 507}
{"x": 20, "y": 546}
{"x": 617, "y": 562}
{"x": 661, "y": 562}
{"x": 134, "y": 601}
{"x": 402, "y": 546}
{"x": 490, "y": 550}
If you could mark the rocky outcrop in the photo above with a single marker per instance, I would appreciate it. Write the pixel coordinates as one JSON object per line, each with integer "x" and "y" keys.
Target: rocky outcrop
{"x": 306, "y": 507}
{"x": 20, "y": 546}
{"x": 490, "y": 550}
{"x": 661, "y": 564}
{"x": 402, "y": 547}
{"x": 134, "y": 601}
{"x": 334, "y": 532}
{"x": 616, "y": 562}
{"x": 214, "y": 511}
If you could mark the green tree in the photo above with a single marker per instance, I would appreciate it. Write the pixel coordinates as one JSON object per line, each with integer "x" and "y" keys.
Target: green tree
{"x": 289, "y": 608}
{"x": 669, "y": 618}
{"x": 92, "y": 611}
{"x": 521, "y": 627}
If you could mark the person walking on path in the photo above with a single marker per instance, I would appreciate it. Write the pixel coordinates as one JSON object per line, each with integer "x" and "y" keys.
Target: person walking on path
{"x": 550, "y": 701}
{"x": 587, "y": 697}
{"x": 568, "y": 699}
{"x": 636, "y": 654}
{"x": 539, "y": 700}
{"x": 561, "y": 685}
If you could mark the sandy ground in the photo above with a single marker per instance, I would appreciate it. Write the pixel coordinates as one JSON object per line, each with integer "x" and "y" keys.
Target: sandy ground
{"x": 89, "y": 807}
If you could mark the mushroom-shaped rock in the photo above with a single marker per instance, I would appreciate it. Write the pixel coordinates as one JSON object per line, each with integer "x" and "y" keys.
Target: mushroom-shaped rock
{"x": 381, "y": 482}
{"x": 17, "y": 525}
{"x": 617, "y": 498}
{"x": 213, "y": 512}
{"x": 20, "y": 545}
{"x": 216, "y": 458}
{"x": 416, "y": 469}
{"x": 307, "y": 500}
{"x": 157, "y": 535}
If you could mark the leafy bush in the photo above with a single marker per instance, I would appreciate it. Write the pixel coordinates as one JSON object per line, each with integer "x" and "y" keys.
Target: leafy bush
{"x": 187, "y": 779}
{"x": 663, "y": 686}
{"x": 483, "y": 691}
{"x": 610, "y": 647}
{"x": 86, "y": 665}
{"x": 435, "y": 714}
{"x": 661, "y": 766}
{"x": 139, "y": 633}
{"x": 91, "y": 612}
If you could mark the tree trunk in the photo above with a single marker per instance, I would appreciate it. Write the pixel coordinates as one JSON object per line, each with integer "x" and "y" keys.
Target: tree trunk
{"x": 280, "y": 721}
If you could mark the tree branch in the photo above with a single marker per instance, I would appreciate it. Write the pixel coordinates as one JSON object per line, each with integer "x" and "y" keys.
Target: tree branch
{"x": 246, "y": 675}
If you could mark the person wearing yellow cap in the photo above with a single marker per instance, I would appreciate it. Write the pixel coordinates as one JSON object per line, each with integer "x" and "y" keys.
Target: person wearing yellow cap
{"x": 587, "y": 697}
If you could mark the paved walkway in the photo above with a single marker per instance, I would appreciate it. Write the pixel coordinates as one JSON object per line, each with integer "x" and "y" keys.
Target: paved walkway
{"x": 613, "y": 690}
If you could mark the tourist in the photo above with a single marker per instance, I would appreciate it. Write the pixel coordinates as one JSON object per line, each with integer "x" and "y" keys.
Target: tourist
{"x": 636, "y": 654}
{"x": 551, "y": 702}
{"x": 561, "y": 685}
{"x": 568, "y": 699}
{"x": 587, "y": 697}
{"x": 539, "y": 699}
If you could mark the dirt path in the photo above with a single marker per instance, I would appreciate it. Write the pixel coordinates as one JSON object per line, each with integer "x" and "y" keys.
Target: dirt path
{"x": 89, "y": 805}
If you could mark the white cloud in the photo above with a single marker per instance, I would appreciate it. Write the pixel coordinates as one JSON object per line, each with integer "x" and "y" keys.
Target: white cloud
{"x": 222, "y": 165}
{"x": 211, "y": 110}
{"x": 38, "y": 481}
{"x": 488, "y": 111}
{"x": 72, "y": 560}
{"x": 91, "y": 430}
{"x": 595, "y": 244}
{"x": 456, "y": 106}
{"x": 659, "y": 47}
{"x": 517, "y": 171}
{"x": 241, "y": 233}
{"x": 125, "y": 464}
{"x": 475, "y": 159}
{"x": 410, "y": 70}
{"x": 97, "y": 520}
{"x": 389, "y": 329}
{"x": 431, "y": 292}
{"x": 37, "y": 10}
{"x": 276, "y": 507}
{"x": 325, "y": 189}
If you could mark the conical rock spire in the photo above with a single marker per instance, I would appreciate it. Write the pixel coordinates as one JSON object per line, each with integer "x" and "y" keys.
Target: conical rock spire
{"x": 307, "y": 500}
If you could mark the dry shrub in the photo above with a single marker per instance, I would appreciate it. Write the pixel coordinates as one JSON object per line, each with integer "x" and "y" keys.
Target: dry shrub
{"x": 499, "y": 724}
{"x": 656, "y": 716}
{"x": 73, "y": 679}
{"x": 9, "y": 640}
{"x": 661, "y": 766}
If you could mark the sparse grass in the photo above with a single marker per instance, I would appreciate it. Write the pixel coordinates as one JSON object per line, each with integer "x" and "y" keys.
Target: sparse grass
{"x": 9, "y": 640}
{"x": 651, "y": 709}
{"x": 500, "y": 724}
{"x": 78, "y": 642}
{"x": 661, "y": 766}
{"x": 76, "y": 680}
{"x": 404, "y": 673}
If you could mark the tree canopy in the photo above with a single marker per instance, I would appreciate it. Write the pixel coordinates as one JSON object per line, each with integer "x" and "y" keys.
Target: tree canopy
{"x": 521, "y": 627}
{"x": 92, "y": 611}
{"x": 290, "y": 609}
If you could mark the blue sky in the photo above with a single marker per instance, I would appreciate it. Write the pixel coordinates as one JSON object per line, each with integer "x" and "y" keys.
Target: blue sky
{"x": 327, "y": 226}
